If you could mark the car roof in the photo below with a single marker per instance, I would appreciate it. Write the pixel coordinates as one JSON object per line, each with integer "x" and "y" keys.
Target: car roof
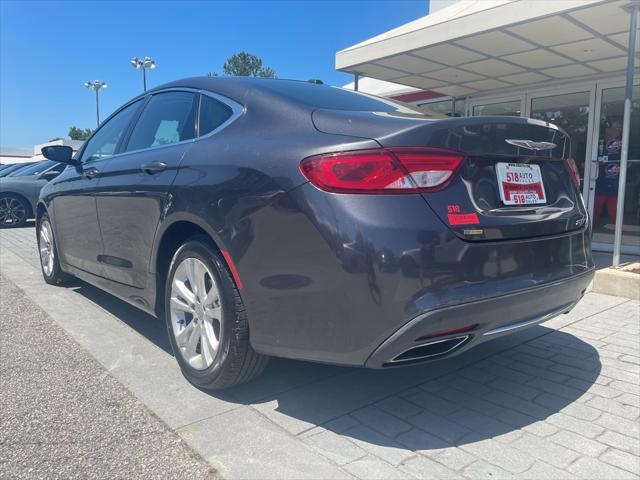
{"x": 299, "y": 93}
{"x": 206, "y": 82}
{"x": 236, "y": 88}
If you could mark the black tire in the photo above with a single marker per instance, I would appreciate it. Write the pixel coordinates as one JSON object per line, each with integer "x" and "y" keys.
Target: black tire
{"x": 235, "y": 361}
{"x": 14, "y": 211}
{"x": 56, "y": 276}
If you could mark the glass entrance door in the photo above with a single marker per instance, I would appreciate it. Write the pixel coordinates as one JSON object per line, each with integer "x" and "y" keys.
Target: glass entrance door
{"x": 606, "y": 165}
{"x": 569, "y": 111}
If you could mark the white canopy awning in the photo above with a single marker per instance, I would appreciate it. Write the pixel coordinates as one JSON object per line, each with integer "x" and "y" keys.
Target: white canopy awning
{"x": 478, "y": 46}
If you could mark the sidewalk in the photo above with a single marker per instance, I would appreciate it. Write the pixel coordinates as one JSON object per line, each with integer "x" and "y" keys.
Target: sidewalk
{"x": 64, "y": 416}
{"x": 557, "y": 401}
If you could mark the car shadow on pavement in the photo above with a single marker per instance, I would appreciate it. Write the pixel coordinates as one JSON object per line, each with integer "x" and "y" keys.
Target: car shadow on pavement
{"x": 496, "y": 388}
{"x": 499, "y": 387}
{"x": 143, "y": 323}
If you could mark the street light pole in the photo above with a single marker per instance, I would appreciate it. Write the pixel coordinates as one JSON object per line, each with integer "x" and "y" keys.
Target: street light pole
{"x": 143, "y": 64}
{"x": 96, "y": 86}
{"x": 97, "y": 109}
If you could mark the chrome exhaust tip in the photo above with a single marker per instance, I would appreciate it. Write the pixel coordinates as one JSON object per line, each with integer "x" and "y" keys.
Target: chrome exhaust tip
{"x": 436, "y": 348}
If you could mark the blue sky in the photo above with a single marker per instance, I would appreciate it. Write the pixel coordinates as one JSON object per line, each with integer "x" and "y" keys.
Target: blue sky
{"x": 48, "y": 49}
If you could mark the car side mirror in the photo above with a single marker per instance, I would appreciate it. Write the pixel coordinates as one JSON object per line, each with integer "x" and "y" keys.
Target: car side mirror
{"x": 59, "y": 153}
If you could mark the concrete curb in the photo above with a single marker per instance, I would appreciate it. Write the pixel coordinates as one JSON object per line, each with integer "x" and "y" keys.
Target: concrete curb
{"x": 620, "y": 282}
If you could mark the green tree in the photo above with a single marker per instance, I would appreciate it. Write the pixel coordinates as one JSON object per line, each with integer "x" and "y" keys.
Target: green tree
{"x": 76, "y": 133}
{"x": 245, "y": 64}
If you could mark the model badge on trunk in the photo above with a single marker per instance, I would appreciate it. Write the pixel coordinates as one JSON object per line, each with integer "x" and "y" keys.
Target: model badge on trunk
{"x": 530, "y": 144}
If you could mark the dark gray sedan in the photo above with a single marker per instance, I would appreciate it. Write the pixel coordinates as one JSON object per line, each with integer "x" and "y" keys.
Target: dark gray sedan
{"x": 281, "y": 218}
{"x": 10, "y": 168}
{"x": 19, "y": 191}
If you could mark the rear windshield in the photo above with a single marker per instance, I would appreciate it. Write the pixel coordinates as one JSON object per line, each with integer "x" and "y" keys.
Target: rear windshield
{"x": 335, "y": 98}
{"x": 34, "y": 169}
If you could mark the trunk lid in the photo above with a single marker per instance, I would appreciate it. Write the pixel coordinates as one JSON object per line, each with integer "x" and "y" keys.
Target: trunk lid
{"x": 478, "y": 204}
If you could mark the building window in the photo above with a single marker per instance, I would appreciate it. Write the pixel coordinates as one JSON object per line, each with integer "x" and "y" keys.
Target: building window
{"x": 510, "y": 109}
{"x": 450, "y": 107}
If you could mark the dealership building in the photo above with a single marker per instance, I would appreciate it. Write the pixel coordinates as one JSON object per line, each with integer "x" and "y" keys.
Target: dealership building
{"x": 564, "y": 62}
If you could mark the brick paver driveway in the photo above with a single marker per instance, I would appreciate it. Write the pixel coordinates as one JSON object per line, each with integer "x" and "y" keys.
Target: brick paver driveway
{"x": 557, "y": 401}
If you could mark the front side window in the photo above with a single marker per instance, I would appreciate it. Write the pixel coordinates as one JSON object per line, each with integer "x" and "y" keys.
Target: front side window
{"x": 58, "y": 168}
{"x": 168, "y": 117}
{"x": 105, "y": 141}
{"x": 212, "y": 114}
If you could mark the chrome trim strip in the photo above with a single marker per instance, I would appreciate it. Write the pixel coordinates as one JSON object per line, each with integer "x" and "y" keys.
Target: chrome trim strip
{"x": 540, "y": 319}
{"x": 462, "y": 340}
{"x": 236, "y": 111}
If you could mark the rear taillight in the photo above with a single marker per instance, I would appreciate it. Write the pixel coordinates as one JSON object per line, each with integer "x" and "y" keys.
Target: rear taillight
{"x": 385, "y": 170}
{"x": 572, "y": 168}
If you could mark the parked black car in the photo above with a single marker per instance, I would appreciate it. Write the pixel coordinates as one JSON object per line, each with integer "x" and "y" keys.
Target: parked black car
{"x": 271, "y": 217}
{"x": 12, "y": 167}
{"x": 19, "y": 191}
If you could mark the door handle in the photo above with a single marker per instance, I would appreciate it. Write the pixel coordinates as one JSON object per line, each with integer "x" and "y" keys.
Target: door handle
{"x": 90, "y": 172}
{"x": 153, "y": 167}
{"x": 596, "y": 166}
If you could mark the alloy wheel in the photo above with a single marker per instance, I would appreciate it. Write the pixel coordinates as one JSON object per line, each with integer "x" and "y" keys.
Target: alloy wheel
{"x": 12, "y": 211}
{"x": 45, "y": 244}
{"x": 196, "y": 313}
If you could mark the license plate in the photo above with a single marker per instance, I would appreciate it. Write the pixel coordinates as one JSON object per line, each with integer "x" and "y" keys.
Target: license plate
{"x": 520, "y": 184}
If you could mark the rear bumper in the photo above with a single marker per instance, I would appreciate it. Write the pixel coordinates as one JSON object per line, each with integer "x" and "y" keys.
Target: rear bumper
{"x": 494, "y": 317}
{"x": 330, "y": 278}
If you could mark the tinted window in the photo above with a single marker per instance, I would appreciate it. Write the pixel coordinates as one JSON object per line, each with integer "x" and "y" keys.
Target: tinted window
{"x": 334, "y": 98}
{"x": 167, "y": 118}
{"x": 58, "y": 168}
{"x": 34, "y": 169}
{"x": 105, "y": 141}
{"x": 212, "y": 114}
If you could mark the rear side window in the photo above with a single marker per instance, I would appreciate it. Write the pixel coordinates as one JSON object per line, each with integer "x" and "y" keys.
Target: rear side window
{"x": 167, "y": 118}
{"x": 212, "y": 114}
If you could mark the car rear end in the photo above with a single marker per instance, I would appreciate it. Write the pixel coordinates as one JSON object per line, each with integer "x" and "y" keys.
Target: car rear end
{"x": 466, "y": 229}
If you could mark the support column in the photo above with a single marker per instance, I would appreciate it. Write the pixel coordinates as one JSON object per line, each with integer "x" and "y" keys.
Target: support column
{"x": 633, "y": 9}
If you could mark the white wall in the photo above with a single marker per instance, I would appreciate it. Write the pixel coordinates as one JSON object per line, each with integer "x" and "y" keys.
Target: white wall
{"x": 380, "y": 87}
{"x": 435, "y": 5}
{"x": 75, "y": 144}
{"x": 4, "y": 159}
